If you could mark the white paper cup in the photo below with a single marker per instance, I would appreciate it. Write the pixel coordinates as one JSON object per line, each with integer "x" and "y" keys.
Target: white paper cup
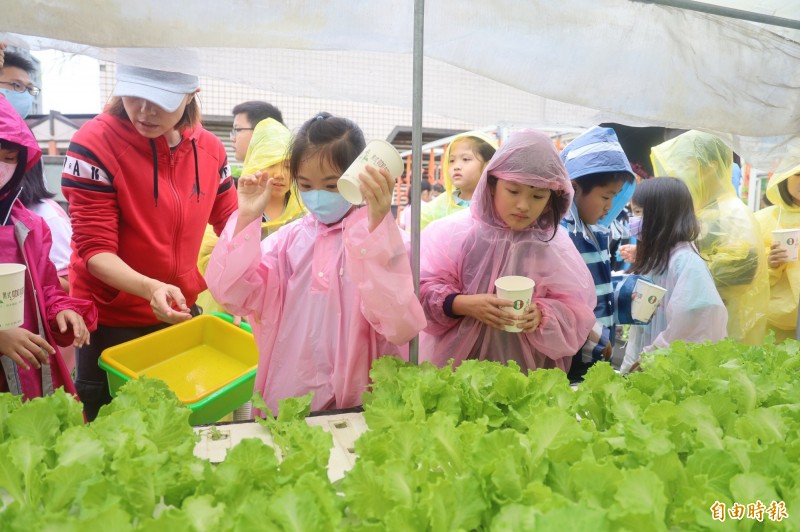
{"x": 379, "y": 154}
{"x": 12, "y": 295}
{"x": 646, "y": 298}
{"x": 517, "y": 289}
{"x": 787, "y": 239}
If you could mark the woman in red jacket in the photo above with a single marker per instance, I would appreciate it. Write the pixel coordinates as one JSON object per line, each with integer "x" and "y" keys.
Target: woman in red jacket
{"x": 143, "y": 179}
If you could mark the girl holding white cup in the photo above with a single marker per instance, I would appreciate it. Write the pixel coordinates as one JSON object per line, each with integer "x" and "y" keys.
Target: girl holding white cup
{"x": 691, "y": 310}
{"x": 776, "y": 221}
{"x": 510, "y": 229}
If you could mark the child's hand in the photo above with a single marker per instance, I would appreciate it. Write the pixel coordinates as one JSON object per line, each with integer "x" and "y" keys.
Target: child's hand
{"x": 777, "y": 256}
{"x": 377, "y": 187}
{"x": 628, "y": 253}
{"x": 486, "y": 308}
{"x": 530, "y": 321}
{"x": 169, "y": 305}
{"x": 23, "y": 346}
{"x": 254, "y": 193}
{"x": 70, "y": 318}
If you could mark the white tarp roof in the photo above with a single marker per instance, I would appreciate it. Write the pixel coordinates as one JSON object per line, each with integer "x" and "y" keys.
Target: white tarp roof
{"x": 615, "y": 60}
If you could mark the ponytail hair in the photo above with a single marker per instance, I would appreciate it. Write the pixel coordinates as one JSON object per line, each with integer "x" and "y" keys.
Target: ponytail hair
{"x": 336, "y": 140}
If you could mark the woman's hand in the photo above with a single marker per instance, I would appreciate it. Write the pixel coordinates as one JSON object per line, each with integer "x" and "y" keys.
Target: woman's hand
{"x": 69, "y": 318}
{"x": 531, "y": 320}
{"x": 254, "y": 193}
{"x": 376, "y": 187}
{"x": 486, "y": 308}
{"x": 23, "y": 347}
{"x": 628, "y": 253}
{"x": 168, "y": 304}
{"x": 777, "y": 256}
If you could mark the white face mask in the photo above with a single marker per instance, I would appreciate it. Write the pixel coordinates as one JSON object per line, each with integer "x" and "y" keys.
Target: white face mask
{"x": 6, "y": 172}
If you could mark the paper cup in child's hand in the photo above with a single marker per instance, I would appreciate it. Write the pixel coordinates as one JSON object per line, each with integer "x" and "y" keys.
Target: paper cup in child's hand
{"x": 787, "y": 239}
{"x": 378, "y": 154}
{"x": 12, "y": 295}
{"x": 517, "y": 289}
{"x": 646, "y": 298}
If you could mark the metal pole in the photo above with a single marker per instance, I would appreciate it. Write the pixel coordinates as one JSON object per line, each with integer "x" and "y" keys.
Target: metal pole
{"x": 416, "y": 157}
{"x": 729, "y": 12}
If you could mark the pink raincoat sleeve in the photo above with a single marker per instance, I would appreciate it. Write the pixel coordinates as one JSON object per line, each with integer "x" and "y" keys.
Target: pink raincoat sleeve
{"x": 53, "y": 296}
{"x": 695, "y": 312}
{"x": 379, "y": 263}
{"x": 239, "y": 276}
{"x": 439, "y": 269}
{"x": 566, "y": 300}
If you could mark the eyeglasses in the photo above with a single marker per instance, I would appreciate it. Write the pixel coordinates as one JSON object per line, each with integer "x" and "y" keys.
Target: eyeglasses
{"x": 19, "y": 87}
{"x": 235, "y": 131}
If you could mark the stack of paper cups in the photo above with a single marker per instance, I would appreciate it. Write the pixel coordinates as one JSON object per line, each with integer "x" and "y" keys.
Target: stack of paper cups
{"x": 787, "y": 239}
{"x": 517, "y": 289}
{"x": 378, "y": 154}
{"x": 12, "y": 295}
{"x": 244, "y": 412}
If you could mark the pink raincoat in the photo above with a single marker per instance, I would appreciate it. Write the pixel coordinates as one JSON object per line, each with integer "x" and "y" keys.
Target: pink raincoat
{"x": 25, "y": 239}
{"x": 324, "y": 302}
{"x": 466, "y": 252}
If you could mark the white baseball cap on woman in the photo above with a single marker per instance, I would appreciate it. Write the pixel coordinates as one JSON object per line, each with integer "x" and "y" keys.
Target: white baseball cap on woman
{"x": 165, "y": 89}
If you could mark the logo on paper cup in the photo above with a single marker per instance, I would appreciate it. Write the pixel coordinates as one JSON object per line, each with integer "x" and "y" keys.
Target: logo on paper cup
{"x": 9, "y": 297}
{"x": 518, "y": 304}
{"x": 790, "y": 241}
{"x": 652, "y": 300}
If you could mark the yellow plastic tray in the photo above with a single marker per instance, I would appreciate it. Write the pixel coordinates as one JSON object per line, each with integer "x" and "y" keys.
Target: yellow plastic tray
{"x": 195, "y": 358}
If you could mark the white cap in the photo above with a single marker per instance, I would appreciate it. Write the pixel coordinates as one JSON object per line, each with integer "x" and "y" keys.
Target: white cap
{"x": 165, "y": 89}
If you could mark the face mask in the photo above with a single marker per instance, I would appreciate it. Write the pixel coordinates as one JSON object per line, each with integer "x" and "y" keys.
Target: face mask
{"x": 635, "y": 225}
{"x": 21, "y": 101}
{"x": 327, "y": 207}
{"x": 6, "y": 173}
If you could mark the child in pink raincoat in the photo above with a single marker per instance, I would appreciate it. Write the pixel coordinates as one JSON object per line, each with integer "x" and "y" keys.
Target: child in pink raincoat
{"x": 511, "y": 228}
{"x": 30, "y": 364}
{"x": 326, "y": 294}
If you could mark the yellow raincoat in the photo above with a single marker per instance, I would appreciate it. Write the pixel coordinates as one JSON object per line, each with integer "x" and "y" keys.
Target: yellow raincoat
{"x": 730, "y": 238}
{"x": 448, "y": 203}
{"x": 268, "y": 147}
{"x": 785, "y": 280}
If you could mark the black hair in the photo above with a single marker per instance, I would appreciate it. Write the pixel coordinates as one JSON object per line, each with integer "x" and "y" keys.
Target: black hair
{"x": 783, "y": 189}
{"x": 550, "y": 208}
{"x": 33, "y": 187}
{"x": 257, "y": 111}
{"x": 8, "y": 145}
{"x": 480, "y": 147}
{"x": 425, "y": 185}
{"x": 13, "y": 59}
{"x": 589, "y": 182}
{"x": 22, "y": 161}
{"x": 336, "y": 140}
{"x": 668, "y": 218}
{"x": 438, "y": 188}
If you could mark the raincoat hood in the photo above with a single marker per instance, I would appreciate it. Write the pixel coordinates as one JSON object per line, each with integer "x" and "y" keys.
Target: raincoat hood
{"x": 269, "y": 146}
{"x": 14, "y": 129}
{"x": 528, "y": 157}
{"x": 595, "y": 151}
{"x": 774, "y": 195}
{"x": 700, "y": 160}
{"x": 448, "y": 184}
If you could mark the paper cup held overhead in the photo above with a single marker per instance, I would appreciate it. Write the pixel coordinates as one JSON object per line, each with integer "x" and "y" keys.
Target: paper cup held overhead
{"x": 518, "y": 289}
{"x": 378, "y": 154}
{"x": 12, "y": 295}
